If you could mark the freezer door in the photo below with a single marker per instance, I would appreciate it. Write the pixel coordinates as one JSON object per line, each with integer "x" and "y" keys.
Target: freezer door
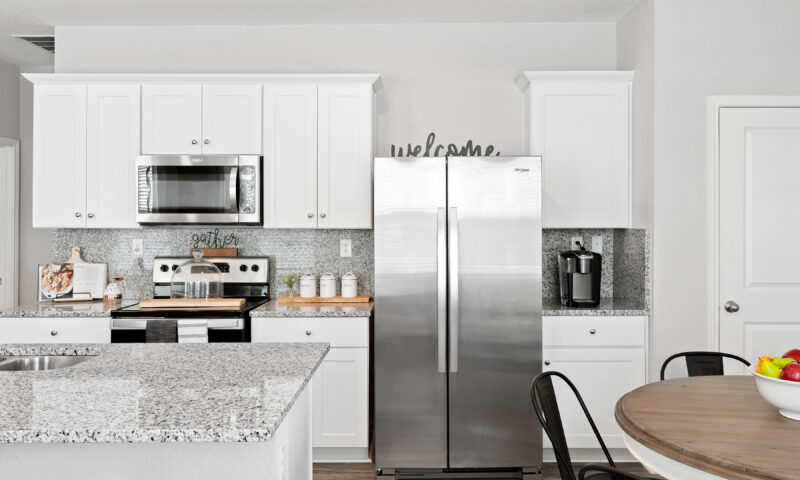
{"x": 410, "y": 313}
{"x": 495, "y": 302}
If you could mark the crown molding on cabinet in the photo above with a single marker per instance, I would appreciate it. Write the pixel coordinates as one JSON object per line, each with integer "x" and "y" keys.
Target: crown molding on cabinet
{"x": 334, "y": 78}
{"x": 525, "y": 78}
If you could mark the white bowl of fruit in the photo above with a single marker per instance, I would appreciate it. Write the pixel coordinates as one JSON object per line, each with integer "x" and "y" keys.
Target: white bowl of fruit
{"x": 778, "y": 381}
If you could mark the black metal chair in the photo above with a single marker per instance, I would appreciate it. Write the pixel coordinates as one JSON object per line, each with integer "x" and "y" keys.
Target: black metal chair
{"x": 546, "y": 406}
{"x": 701, "y": 364}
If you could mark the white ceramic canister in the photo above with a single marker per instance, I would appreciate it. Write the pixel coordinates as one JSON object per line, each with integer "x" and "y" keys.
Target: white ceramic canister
{"x": 349, "y": 285}
{"x": 327, "y": 285}
{"x": 308, "y": 286}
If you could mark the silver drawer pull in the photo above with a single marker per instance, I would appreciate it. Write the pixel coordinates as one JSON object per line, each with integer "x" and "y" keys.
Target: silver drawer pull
{"x": 593, "y": 331}
{"x": 308, "y": 332}
{"x": 53, "y": 333}
{"x": 547, "y": 362}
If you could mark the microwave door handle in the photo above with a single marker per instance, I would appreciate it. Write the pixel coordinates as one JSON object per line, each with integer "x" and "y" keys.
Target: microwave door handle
{"x": 234, "y": 190}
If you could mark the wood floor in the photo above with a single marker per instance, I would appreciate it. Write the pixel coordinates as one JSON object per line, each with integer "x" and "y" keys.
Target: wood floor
{"x": 366, "y": 471}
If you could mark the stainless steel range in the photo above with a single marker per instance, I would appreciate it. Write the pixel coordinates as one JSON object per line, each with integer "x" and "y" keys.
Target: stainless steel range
{"x": 243, "y": 277}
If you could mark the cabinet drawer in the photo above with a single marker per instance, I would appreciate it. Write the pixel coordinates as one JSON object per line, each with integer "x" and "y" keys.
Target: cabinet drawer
{"x": 339, "y": 332}
{"x": 593, "y": 331}
{"x": 55, "y": 330}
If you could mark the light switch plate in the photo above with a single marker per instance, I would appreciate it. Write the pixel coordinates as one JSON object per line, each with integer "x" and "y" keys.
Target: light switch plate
{"x": 345, "y": 248}
{"x": 573, "y": 245}
{"x": 597, "y": 244}
{"x": 137, "y": 247}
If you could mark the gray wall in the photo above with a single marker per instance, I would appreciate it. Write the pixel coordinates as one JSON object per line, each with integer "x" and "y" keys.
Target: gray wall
{"x": 709, "y": 47}
{"x": 9, "y": 100}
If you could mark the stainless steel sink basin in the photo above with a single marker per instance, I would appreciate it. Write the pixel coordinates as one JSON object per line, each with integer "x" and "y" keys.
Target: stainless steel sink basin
{"x": 41, "y": 362}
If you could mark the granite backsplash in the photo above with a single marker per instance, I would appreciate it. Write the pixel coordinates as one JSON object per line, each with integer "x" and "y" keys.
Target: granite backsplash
{"x": 625, "y": 255}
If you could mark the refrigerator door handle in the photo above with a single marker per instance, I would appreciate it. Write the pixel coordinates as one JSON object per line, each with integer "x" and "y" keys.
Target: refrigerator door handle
{"x": 452, "y": 233}
{"x": 441, "y": 288}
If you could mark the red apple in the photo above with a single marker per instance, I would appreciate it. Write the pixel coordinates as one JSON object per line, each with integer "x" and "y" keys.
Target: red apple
{"x": 791, "y": 372}
{"x": 793, "y": 353}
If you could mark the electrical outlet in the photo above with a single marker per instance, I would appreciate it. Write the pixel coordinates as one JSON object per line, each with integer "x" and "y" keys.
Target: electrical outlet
{"x": 137, "y": 247}
{"x": 345, "y": 248}
{"x": 597, "y": 244}
{"x": 573, "y": 243}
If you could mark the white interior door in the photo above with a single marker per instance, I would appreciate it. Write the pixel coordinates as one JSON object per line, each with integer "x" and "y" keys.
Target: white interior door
{"x": 759, "y": 168}
{"x": 9, "y": 221}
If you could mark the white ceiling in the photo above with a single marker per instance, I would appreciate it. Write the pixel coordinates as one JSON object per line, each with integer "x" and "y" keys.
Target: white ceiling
{"x": 39, "y": 16}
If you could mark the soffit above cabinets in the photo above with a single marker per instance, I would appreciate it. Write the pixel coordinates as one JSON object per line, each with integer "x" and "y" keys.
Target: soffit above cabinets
{"x": 85, "y": 78}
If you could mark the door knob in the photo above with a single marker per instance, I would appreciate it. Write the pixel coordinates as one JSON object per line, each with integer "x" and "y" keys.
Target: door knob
{"x": 731, "y": 306}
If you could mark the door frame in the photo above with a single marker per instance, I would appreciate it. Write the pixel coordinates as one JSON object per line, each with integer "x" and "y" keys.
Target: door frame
{"x": 13, "y": 281}
{"x": 714, "y": 104}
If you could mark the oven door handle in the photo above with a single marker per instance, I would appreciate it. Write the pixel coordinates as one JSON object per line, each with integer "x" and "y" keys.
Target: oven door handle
{"x": 141, "y": 323}
{"x": 233, "y": 190}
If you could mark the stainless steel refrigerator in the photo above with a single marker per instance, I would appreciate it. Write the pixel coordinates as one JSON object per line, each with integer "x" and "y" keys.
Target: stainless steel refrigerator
{"x": 458, "y": 293}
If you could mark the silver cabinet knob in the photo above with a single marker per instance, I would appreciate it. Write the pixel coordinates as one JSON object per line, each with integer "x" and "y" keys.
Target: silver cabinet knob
{"x": 308, "y": 332}
{"x": 53, "y": 333}
{"x": 310, "y": 215}
{"x": 731, "y": 306}
{"x": 321, "y": 215}
{"x": 91, "y": 215}
{"x": 206, "y": 141}
{"x": 78, "y": 214}
{"x": 547, "y": 362}
{"x": 593, "y": 331}
{"x": 194, "y": 142}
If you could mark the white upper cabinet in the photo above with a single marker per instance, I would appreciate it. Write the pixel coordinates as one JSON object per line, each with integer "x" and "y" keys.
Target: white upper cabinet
{"x": 171, "y": 119}
{"x": 290, "y": 156}
{"x": 59, "y": 156}
{"x": 201, "y": 119}
{"x": 318, "y": 149}
{"x": 232, "y": 119}
{"x": 111, "y": 149}
{"x": 580, "y": 123}
{"x": 345, "y": 156}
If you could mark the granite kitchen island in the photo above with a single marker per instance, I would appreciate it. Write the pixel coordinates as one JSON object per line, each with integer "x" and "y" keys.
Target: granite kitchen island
{"x": 160, "y": 411}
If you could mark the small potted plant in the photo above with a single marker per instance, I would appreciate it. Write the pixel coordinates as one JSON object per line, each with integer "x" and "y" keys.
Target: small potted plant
{"x": 290, "y": 280}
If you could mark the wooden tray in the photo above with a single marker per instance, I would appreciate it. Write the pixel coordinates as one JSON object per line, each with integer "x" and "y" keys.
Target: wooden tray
{"x": 298, "y": 300}
{"x": 216, "y": 252}
{"x": 191, "y": 302}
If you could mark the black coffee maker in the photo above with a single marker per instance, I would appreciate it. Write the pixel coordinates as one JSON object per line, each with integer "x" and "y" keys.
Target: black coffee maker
{"x": 579, "y": 273}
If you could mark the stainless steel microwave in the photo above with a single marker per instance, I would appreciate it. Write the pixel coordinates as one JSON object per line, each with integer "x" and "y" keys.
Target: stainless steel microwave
{"x": 198, "y": 189}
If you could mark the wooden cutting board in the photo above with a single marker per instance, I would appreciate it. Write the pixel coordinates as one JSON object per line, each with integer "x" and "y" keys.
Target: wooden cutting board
{"x": 191, "y": 302}
{"x": 216, "y": 252}
{"x": 297, "y": 300}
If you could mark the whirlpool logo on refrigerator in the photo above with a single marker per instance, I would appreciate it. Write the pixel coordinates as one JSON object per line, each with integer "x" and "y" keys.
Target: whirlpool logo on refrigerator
{"x": 522, "y": 170}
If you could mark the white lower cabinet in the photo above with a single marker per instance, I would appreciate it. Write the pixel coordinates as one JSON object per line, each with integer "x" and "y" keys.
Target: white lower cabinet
{"x": 55, "y": 330}
{"x": 605, "y": 357}
{"x": 339, "y": 388}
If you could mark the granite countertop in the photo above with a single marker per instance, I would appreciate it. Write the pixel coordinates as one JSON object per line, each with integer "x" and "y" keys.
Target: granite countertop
{"x": 66, "y": 310}
{"x": 272, "y": 309}
{"x": 162, "y": 392}
{"x": 607, "y": 307}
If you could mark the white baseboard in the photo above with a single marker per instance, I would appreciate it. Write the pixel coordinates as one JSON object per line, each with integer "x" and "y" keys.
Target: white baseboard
{"x": 591, "y": 455}
{"x": 341, "y": 455}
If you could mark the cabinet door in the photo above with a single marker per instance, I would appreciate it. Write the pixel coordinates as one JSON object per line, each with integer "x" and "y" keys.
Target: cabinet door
{"x": 59, "y": 156}
{"x": 55, "y": 330}
{"x": 290, "y": 156}
{"x": 232, "y": 119}
{"x": 341, "y": 399}
{"x": 602, "y": 376}
{"x": 112, "y": 146}
{"x": 171, "y": 119}
{"x": 581, "y": 130}
{"x": 345, "y": 156}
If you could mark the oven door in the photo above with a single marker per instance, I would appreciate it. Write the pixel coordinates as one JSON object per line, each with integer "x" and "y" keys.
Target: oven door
{"x": 132, "y": 330}
{"x": 198, "y": 189}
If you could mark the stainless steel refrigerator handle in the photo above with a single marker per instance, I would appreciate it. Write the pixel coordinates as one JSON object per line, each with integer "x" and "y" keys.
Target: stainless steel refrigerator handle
{"x": 441, "y": 287}
{"x": 452, "y": 220}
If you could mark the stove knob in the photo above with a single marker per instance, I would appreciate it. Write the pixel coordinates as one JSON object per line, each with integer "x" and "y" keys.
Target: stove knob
{"x": 164, "y": 268}
{"x": 243, "y": 268}
{"x": 254, "y": 268}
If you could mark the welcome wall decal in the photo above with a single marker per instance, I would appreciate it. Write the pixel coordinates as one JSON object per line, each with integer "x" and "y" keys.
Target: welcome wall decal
{"x": 432, "y": 149}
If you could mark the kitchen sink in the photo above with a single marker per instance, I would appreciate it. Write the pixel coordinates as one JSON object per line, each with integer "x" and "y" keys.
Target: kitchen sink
{"x": 41, "y": 362}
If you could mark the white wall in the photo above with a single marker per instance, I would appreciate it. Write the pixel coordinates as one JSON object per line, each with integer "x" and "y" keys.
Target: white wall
{"x": 9, "y": 100}
{"x": 709, "y": 47}
{"x": 454, "y": 79}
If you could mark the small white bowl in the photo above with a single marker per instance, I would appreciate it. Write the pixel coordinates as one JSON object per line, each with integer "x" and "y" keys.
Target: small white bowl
{"x": 781, "y": 393}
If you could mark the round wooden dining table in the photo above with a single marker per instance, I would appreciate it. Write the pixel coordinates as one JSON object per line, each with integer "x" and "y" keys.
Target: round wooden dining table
{"x": 709, "y": 428}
